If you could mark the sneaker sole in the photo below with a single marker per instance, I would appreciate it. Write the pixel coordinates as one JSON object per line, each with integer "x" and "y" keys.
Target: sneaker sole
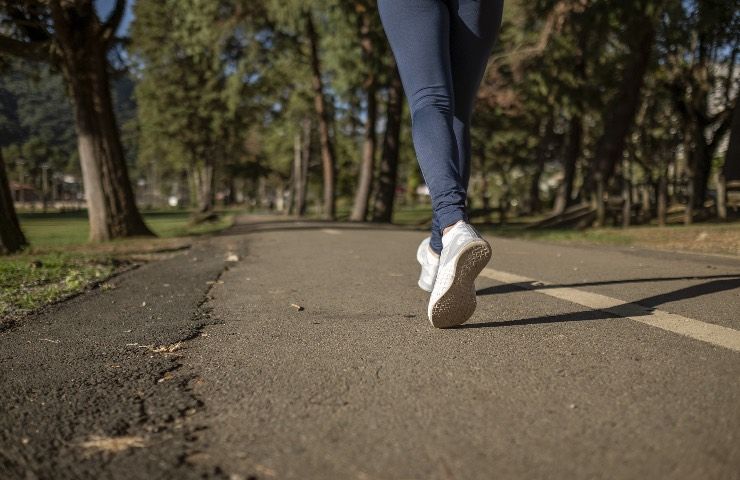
{"x": 458, "y": 303}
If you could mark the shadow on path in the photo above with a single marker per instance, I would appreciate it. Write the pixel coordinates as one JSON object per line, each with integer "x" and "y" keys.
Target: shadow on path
{"x": 291, "y": 225}
{"x": 514, "y": 287}
{"x": 628, "y": 309}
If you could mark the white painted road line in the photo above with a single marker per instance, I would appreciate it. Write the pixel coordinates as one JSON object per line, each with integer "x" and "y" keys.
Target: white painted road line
{"x": 331, "y": 231}
{"x": 696, "y": 329}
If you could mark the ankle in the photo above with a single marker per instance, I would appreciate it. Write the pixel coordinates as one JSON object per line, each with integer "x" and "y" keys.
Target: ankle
{"x": 450, "y": 227}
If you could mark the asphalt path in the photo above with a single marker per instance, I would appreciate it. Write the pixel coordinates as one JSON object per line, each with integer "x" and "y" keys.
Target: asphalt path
{"x": 302, "y": 350}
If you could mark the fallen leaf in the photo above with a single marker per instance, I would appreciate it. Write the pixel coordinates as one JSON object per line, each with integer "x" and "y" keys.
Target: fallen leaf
{"x": 112, "y": 444}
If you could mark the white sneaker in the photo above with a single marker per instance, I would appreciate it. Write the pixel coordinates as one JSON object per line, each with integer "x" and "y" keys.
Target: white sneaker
{"x": 464, "y": 255}
{"x": 429, "y": 263}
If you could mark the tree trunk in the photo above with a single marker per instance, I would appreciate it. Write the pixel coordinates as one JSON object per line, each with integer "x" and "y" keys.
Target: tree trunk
{"x": 386, "y": 193}
{"x": 543, "y": 149}
{"x": 731, "y": 168}
{"x": 11, "y": 235}
{"x": 662, "y": 195}
{"x": 328, "y": 159}
{"x": 206, "y": 182}
{"x": 110, "y": 198}
{"x": 626, "y": 195}
{"x": 700, "y": 167}
{"x": 299, "y": 173}
{"x": 503, "y": 203}
{"x": 599, "y": 203}
{"x": 295, "y": 173}
{"x": 620, "y": 114}
{"x": 367, "y": 165}
{"x": 570, "y": 160}
{"x": 721, "y": 197}
{"x": 302, "y": 183}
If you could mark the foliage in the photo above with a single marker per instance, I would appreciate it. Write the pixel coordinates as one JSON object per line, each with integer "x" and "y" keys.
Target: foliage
{"x": 228, "y": 83}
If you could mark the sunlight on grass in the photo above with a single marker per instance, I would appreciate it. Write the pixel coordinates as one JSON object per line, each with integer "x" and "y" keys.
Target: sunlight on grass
{"x": 28, "y": 282}
{"x": 718, "y": 238}
{"x": 61, "y": 262}
{"x": 71, "y": 228}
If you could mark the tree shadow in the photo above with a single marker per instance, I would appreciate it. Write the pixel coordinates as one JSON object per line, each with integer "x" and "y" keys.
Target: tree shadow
{"x": 310, "y": 224}
{"x": 645, "y": 306}
{"x": 514, "y": 287}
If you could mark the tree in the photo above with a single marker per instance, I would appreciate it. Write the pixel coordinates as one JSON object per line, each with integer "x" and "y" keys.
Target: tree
{"x": 731, "y": 168}
{"x": 202, "y": 72}
{"x": 71, "y": 37}
{"x": 701, "y": 62}
{"x": 619, "y": 115}
{"x": 11, "y": 235}
{"x": 388, "y": 172}
{"x": 328, "y": 159}
{"x": 369, "y": 42}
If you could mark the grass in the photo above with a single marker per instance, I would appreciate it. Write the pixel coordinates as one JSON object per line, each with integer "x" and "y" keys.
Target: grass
{"x": 413, "y": 215}
{"x": 27, "y": 282}
{"x": 71, "y": 228}
{"x": 60, "y": 261}
{"x": 707, "y": 237}
{"x": 713, "y": 238}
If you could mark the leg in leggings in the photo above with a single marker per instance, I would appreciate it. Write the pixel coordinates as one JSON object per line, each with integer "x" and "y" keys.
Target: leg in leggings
{"x": 439, "y": 44}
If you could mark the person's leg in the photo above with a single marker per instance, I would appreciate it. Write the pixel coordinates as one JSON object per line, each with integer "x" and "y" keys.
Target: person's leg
{"x": 419, "y": 35}
{"x": 474, "y": 26}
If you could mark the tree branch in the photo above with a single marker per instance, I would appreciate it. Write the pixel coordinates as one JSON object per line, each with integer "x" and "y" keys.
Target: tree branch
{"x": 37, "y": 51}
{"x": 111, "y": 25}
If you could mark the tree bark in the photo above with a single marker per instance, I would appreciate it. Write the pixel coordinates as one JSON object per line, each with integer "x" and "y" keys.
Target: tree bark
{"x": 731, "y": 168}
{"x": 388, "y": 176}
{"x": 206, "y": 180}
{"x": 662, "y": 195}
{"x": 299, "y": 174}
{"x": 11, "y": 235}
{"x": 700, "y": 167}
{"x": 543, "y": 150}
{"x": 626, "y": 195}
{"x": 302, "y": 185}
{"x": 328, "y": 159}
{"x": 295, "y": 173}
{"x": 721, "y": 197}
{"x": 367, "y": 164}
{"x": 570, "y": 160}
{"x": 83, "y": 53}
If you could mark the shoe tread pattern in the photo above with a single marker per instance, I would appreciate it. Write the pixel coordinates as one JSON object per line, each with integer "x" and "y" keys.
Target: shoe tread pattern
{"x": 458, "y": 303}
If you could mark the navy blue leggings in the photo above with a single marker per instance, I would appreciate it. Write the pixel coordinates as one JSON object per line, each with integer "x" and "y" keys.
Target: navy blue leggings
{"x": 442, "y": 48}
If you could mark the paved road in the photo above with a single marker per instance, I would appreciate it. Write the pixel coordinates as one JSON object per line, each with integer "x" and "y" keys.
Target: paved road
{"x": 357, "y": 384}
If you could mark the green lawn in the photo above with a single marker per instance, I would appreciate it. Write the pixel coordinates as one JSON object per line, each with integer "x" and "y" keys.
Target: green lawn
{"x": 61, "y": 262}
{"x": 713, "y": 238}
{"x": 706, "y": 237}
{"x": 71, "y": 228}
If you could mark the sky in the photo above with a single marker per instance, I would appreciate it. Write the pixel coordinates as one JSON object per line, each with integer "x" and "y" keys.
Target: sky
{"x": 104, "y": 8}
